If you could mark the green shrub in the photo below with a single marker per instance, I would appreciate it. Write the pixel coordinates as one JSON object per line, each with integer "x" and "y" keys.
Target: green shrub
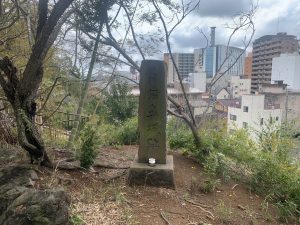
{"x": 88, "y": 147}
{"x": 265, "y": 164}
{"x": 279, "y": 180}
{"x": 181, "y": 139}
{"x": 123, "y": 134}
{"x": 108, "y": 134}
{"x": 127, "y": 133}
{"x": 119, "y": 103}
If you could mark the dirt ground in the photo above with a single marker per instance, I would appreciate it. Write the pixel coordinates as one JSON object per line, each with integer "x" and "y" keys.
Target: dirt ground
{"x": 100, "y": 196}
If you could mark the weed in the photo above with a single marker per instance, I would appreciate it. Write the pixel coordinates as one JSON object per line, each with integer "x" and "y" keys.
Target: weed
{"x": 209, "y": 185}
{"x": 265, "y": 209}
{"x": 120, "y": 198}
{"x": 287, "y": 210}
{"x": 224, "y": 212}
{"x": 251, "y": 215}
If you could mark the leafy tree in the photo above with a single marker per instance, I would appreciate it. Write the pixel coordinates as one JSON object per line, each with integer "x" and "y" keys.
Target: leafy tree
{"x": 90, "y": 17}
{"x": 120, "y": 104}
{"x": 20, "y": 85}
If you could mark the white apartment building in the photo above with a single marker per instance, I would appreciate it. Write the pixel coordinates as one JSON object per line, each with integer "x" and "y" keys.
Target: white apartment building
{"x": 286, "y": 68}
{"x": 239, "y": 86}
{"x": 253, "y": 113}
{"x": 198, "y": 80}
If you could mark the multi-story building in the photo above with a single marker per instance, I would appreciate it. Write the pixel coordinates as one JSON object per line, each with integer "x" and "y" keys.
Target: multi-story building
{"x": 221, "y": 59}
{"x": 198, "y": 80}
{"x": 253, "y": 113}
{"x": 198, "y": 59}
{"x": 238, "y": 86}
{"x": 265, "y": 49}
{"x": 185, "y": 63}
{"x": 288, "y": 100}
{"x": 286, "y": 68}
{"x": 248, "y": 65}
{"x": 214, "y": 60}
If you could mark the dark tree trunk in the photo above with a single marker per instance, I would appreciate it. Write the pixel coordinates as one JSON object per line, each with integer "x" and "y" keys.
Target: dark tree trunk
{"x": 29, "y": 136}
{"x": 21, "y": 91}
{"x": 24, "y": 109}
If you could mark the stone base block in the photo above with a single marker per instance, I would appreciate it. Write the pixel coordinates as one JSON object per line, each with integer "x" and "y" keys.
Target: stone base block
{"x": 161, "y": 175}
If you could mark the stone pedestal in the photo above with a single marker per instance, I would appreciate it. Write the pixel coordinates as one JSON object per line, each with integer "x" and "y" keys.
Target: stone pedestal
{"x": 161, "y": 175}
{"x": 152, "y": 129}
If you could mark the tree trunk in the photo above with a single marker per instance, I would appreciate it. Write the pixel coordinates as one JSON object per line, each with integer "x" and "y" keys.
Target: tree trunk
{"x": 197, "y": 138}
{"x": 21, "y": 91}
{"x": 85, "y": 88}
{"x": 29, "y": 136}
{"x": 24, "y": 110}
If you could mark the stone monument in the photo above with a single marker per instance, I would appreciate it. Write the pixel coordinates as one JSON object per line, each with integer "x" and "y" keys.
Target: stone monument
{"x": 152, "y": 165}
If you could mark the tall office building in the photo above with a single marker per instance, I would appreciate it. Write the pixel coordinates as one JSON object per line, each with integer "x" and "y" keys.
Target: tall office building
{"x": 214, "y": 60}
{"x": 230, "y": 60}
{"x": 220, "y": 59}
{"x": 265, "y": 49}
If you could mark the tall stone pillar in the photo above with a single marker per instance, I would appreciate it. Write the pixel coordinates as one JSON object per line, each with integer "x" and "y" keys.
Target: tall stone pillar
{"x": 152, "y": 112}
{"x": 152, "y": 129}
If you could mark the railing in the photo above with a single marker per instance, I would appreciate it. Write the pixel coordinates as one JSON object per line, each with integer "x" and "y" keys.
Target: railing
{"x": 54, "y": 133}
{"x": 64, "y": 120}
{"x": 57, "y": 127}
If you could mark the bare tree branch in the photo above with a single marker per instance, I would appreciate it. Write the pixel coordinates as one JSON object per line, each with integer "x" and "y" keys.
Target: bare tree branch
{"x": 131, "y": 27}
{"x": 17, "y": 17}
{"x": 54, "y": 111}
{"x": 49, "y": 94}
{"x": 168, "y": 33}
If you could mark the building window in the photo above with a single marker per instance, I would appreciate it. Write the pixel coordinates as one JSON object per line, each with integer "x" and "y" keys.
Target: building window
{"x": 277, "y": 118}
{"x": 262, "y": 121}
{"x": 245, "y": 125}
{"x": 232, "y": 117}
{"x": 245, "y": 109}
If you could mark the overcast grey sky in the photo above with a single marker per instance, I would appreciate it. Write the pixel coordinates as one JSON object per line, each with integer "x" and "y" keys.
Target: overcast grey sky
{"x": 272, "y": 16}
